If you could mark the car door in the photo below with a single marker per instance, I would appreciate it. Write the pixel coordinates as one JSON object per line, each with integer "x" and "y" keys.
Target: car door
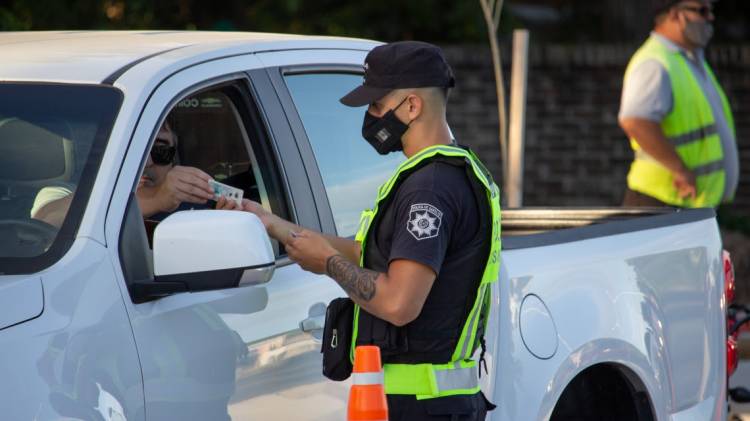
{"x": 236, "y": 353}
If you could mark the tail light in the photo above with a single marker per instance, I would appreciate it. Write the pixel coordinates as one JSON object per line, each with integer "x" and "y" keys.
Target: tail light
{"x": 733, "y": 358}
{"x": 728, "y": 278}
{"x": 731, "y": 345}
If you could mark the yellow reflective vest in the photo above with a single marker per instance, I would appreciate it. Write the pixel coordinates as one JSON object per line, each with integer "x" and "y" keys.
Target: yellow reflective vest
{"x": 690, "y": 127}
{"x": 459, "y": 375}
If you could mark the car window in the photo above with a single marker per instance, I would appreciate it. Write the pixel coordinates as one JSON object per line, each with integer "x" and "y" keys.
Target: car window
{"x": 212, "y": 137}
{"x": 215, "y": 131}
{"x": 211, "y": 131}
{"x": 52, "y": 138}
{"x": 351, "y": 169}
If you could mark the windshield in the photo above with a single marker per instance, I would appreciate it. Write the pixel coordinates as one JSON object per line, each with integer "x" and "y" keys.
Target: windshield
{"x": 52, "y": 138}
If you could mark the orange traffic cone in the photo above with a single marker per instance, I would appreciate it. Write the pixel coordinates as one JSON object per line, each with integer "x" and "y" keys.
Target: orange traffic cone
{"x": 367, "y": 396}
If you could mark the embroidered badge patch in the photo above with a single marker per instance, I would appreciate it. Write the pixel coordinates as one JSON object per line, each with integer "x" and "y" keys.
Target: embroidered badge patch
{"x": 424, "y": 221}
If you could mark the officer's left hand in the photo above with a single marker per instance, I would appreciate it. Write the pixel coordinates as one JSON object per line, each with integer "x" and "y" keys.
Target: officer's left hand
{"x": 309, "y": 250}
{"x": 226, "y": 204}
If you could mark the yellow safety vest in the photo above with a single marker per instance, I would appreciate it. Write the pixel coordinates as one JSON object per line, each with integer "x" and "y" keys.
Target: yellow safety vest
{"x": 690, "y": 127}
{"x": 460, "y": 375}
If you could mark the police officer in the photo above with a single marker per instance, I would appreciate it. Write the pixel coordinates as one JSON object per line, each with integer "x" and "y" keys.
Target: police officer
{"x": 422, "y": 264}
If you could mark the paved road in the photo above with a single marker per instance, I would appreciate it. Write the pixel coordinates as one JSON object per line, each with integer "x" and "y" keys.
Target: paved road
{"x": 741, "y": 378}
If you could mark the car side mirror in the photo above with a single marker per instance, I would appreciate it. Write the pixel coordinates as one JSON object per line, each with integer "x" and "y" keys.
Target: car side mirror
{"x": 212, "y": 249}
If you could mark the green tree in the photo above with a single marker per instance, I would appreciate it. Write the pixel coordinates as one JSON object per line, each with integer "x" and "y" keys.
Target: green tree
{"x": 440, "y": 21}
{"x": 437, "y": 20}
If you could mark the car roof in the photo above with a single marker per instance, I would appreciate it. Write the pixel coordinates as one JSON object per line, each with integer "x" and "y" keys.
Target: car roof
{"x": 100, "y": 56}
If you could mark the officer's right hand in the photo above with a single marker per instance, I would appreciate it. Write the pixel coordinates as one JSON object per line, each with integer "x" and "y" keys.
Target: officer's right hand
{"x": 227, "y": 204}
{"x": 183, "y": 184}
{"x": 310, "y": 250}
{"x": 684, "y": 182}
{"x": 259, "y": 211}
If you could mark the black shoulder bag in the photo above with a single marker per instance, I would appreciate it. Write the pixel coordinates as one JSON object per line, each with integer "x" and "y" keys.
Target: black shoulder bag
{"x": 337, "y": 339}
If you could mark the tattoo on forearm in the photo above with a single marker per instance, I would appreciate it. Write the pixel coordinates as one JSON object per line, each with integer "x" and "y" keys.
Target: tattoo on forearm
{"x": 357, "y": 282}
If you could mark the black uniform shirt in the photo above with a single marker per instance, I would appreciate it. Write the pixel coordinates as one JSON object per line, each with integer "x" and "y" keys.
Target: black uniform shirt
{"x": 433, "y": 220}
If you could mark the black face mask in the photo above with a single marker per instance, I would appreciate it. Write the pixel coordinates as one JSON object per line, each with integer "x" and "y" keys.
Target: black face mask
{"x": 384, "y": 133}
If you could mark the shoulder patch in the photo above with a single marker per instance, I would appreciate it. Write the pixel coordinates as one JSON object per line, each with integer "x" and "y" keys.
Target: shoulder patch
{"x": 424, "y": 221}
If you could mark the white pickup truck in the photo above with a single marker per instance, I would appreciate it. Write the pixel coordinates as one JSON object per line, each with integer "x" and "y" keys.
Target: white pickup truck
{"x": 599, "y": 314}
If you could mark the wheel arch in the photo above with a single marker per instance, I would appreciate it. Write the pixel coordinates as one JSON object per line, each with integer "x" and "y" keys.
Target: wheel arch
{"x": 605, "y": 391}
{"x": 642, "y": 377}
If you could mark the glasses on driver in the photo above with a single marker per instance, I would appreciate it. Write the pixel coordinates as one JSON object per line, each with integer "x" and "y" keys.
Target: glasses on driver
{"x": 162, "y": 154}
{"x": 704, "y": 11}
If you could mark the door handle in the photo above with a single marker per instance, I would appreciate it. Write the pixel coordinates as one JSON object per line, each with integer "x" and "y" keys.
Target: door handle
{"x": 312, "y": 323}
{"x": 315, "y": 321}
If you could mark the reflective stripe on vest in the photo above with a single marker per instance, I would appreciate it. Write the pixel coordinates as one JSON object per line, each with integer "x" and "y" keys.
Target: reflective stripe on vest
{"x": 460, "y": 375}
{"x": 698, "y": 171}
{"x": 427, "y": 381}
{"x": 690, "y": 127}
{"x": 692, "y": 136}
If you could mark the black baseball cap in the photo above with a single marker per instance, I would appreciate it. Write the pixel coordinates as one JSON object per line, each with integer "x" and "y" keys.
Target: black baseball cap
{"x": 660, "y": 6}
{"x": 399, "y": 65}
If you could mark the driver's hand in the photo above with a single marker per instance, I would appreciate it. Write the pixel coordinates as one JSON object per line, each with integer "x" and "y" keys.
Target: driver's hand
{"x": 183, "y": 184}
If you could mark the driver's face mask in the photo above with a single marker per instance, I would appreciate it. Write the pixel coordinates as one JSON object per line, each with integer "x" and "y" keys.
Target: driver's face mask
{"x": 384, "y": 133}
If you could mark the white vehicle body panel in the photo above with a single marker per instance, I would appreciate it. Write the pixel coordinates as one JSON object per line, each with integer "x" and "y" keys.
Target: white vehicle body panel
{"x": 646, "y": 300}
{"x": 89, "y": 56}
{"x": 78, "y": 350}
{"x": 21, "y": 299}
{"x": 649, "y": 301}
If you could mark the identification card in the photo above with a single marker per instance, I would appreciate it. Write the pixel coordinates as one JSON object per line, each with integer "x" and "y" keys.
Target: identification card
{"x": 231, "y": 193}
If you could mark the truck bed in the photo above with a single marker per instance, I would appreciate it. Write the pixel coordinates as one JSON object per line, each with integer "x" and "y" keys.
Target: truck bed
{"x": 535, "y": 227}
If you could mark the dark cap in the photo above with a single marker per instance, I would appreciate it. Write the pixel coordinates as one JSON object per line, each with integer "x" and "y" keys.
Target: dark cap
{"x": 399, "y": 65}
{"x": 660, "y": 6}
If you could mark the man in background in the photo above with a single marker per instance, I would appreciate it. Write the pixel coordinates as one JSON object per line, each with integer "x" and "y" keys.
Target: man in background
{"x": 677, "y": 116}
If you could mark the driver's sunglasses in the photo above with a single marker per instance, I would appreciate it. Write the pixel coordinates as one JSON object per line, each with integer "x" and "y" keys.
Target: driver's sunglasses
{"x": 163, "y": 154}
{"x": 704, "y": 11}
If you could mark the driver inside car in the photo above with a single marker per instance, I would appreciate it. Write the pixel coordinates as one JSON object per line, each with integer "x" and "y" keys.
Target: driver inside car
{"x": 164, "y": 186}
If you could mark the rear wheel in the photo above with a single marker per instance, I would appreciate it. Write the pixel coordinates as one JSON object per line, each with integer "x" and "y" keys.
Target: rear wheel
{"x": 603, "y": 392}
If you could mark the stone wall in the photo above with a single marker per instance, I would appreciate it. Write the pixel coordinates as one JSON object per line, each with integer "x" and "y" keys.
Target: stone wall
{"x": 576, "y": 154}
